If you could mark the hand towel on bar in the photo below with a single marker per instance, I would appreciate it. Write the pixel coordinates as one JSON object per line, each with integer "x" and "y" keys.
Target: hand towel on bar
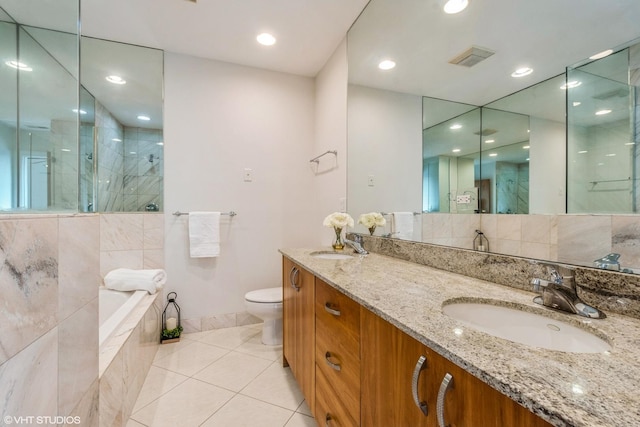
{"x": 403, "y": 225}
{"x": 125, "y": 279}
{"x": 204, "y": 234}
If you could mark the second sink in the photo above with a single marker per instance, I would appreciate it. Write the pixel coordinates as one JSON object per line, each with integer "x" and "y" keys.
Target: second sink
{"x": 525, "y": 327}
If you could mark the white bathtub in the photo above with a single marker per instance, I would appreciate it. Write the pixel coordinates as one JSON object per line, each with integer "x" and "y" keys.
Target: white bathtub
{"x": 114, "y": 307}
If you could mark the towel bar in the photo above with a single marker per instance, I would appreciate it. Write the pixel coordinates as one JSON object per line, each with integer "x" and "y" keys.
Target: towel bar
{"x": 230, "y": 213}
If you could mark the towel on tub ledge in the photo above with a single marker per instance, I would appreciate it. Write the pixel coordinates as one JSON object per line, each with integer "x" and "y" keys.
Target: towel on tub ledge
{"x": 125, "y": 279}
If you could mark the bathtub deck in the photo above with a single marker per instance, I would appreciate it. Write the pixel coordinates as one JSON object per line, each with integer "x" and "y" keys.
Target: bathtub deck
{"x": 224, "y": 377}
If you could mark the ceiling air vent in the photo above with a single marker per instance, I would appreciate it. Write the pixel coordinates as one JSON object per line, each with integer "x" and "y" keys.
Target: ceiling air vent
{"x": 471, "y": 56}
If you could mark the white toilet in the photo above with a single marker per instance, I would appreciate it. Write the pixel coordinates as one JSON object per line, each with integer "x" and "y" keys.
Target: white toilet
{"x": 267, "y": 305}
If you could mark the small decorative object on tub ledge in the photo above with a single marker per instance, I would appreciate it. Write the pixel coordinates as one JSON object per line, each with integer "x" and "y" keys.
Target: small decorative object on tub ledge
{"x": 171, "y": 328}
{"x": 372, "y": 220}
{"x": 338, "y": 220}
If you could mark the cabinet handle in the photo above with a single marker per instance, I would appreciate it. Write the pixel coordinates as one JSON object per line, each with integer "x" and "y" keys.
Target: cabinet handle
{"x": 293, "y": 278}
{"x": 327, "y": 307}
{"x": 421, "y": 365}
{"x": 327, "y": 421}
{"x": 444, "y": 387}
{"x": 327, "y": 358}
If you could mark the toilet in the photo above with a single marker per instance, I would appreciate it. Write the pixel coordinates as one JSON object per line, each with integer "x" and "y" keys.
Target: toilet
{"x": 267, "y": 305}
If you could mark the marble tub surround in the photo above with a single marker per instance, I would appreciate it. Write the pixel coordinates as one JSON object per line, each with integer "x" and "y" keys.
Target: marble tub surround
{"x": 566, "y": 389}
{"x": 610, "y": 291}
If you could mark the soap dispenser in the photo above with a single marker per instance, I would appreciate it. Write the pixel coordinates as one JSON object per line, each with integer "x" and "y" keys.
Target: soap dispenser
{"x": 480, "y": 242}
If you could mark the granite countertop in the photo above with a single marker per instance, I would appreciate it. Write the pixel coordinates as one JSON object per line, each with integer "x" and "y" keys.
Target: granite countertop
{"x": 566, "y": 389}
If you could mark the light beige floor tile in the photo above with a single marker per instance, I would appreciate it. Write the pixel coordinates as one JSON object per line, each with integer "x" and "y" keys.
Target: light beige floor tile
{"x": 255, "y": 347}
{"x": 230, "y": 337}
{"x": 158, "y": 382}
{"x": 243, "y": 411}
{"x": 189, "y": 404}
{"x": 191, "y": 359}
{"x": 195, "y": 336}
{"x": 133, "y": 423}
{"x": 233, "y": 371}
{"x": 166, "y": 349}
{"x": 277, "y": 386}
{"x": 300, "y": 420}
{"x": 304, "y": 409}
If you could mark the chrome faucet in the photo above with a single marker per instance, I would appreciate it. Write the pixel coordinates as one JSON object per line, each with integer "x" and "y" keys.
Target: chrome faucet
{"x": 608, "y": 262}
{"x": 561, "y": 294}
{"x": 356, "y": 244}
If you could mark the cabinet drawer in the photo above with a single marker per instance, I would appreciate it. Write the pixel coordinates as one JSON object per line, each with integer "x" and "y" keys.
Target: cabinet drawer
{"x": 331, "y": 409}
{"x": 337, "y": 312}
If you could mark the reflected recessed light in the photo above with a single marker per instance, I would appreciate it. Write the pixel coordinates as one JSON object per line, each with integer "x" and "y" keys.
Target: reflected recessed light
{"x": 571, "y": 84}
{"x": 66, "y": 150}
{"x": 144, "y": 118}
{"x": 455, "y": 126}
{"x": 116, "y": 140}
{"x": 456, "y": 150}
{"x": 159, "y": 143}
{"x": 525, "y": 147}
{"x": 602, "y": 54}
{"x": 132, "y": 152}
{"x": 266, "y": 39}
{"x": 116, "y": 80}
{"x": 455, "y": 6}
{"x": 489, "y": 141}
{"x": 630, "y": 143}
{"x": 527, "y": 159}
{"x": 582, "y": 152}
{"x": 600, "y": 164}
{"x": 19, "y": 65}
{"x": 602, "y": 112}
{"x": 610, "y": 155}
{"x": 387, "y": 64}
{"x": 521, "y": 72}
{"x": 576, "y": 103}
{"x": 493, "y": 154}
{"x": 75, "y": 110}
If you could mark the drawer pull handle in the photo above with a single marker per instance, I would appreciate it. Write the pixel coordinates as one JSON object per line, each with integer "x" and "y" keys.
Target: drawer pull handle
{"x": 327, "y": 358}
{"x": 327, "y": 421}
{"x": 293, "y": 278}
{"x": 444, "y": 387}
{"x": 421, "y": 365}
{"x": 329, "y": 309}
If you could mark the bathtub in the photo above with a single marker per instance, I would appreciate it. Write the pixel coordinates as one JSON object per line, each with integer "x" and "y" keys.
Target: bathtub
{"x": 114, "y": 308}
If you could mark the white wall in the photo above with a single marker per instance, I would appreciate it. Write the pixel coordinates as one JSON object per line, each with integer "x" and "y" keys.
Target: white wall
{"x": 219, "y": 119}
{"x": 330, "y": 182}
{"x": 547, "y": 179}
{"x": 385, "y": 140}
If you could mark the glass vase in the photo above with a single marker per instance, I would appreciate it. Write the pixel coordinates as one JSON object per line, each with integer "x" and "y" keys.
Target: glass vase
{"x": 338, "y": 245}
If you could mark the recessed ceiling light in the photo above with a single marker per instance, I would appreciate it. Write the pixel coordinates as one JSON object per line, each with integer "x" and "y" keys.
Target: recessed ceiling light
{"x": 630, "y": 143}
{"x": 455, "y": 6}
{"x": 602, "y": 112}
{"x": 266, "y": 39}
{"x": 525, "y": 147}
{"x": 144, "y": 118}
{"x": 159, "y": 143}
{"x": 489, "y": 141}
{"x": 582, "y": 152}
{"x": 493, "y": 154}
{"x": 116, "y": 80}
{"x": 571, "y": 84}
{"x": 602, "y": 54}
{"x": 19, "y": 65}
{"x": 455, "y": 126}
{"x": 387, "y": 64}
{"x": 576, "y": 103}
{"x": 66, "y": 150}
{"x": 521, "y": 72}
{"x": 75, "y": 110}
{"x": 527, "y": 159}
{"x": 456, "y": 150}
{"x": 116, "y": 140}
{"x": 610, "y": 155}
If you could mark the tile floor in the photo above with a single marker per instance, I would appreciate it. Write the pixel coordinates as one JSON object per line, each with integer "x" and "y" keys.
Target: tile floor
{"x": 224, "y": 378}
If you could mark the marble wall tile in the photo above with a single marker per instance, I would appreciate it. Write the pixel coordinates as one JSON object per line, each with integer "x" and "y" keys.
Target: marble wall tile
{"x": 244, "y": 318}
{"x": 625, "y": 239}
{"x": 153, "y": 258}
{"x": 583, "y": 237}
{"x": 442, "y": 226}
{"x": 29, "y": 381}
{"x": 191, "y": 325}
{"x": 28, "y": 282}
{"x": 78, "y": 356}
{"x": 536, "y": 228}
{"x": 111, "y": 392}
{"x": 110, "y": 260}
{"x": 88, "y": 408}
{"x": 153, "y": 231}
{"x": 219, "y": 321}
{"x": 509, "y": 227}
{"x": 121, "y": 232}
{"x": 79, "y": 262}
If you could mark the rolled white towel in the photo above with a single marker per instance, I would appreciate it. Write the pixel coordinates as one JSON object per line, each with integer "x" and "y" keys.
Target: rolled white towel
{"x": 125, "y": 279}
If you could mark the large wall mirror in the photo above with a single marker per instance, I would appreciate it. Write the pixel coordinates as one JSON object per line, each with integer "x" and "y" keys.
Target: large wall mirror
{"x": 430, "y": 136}
{"x": 70, "y": 139}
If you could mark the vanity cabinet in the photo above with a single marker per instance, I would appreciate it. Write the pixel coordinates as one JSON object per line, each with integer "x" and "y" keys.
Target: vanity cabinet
{"x": 337, "y": 358}
{"x": 298, "y": 319}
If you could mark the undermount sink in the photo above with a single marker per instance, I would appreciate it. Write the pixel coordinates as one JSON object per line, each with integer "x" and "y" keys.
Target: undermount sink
{"x": 525, "y": 327}
{"x": 331, "y": 255}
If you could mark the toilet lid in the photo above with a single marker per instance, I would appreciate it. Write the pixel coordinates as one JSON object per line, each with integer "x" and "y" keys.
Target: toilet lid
{"x": 265, "y": 295}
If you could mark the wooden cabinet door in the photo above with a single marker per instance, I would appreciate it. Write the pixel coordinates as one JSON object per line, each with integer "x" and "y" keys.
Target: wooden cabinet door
{"x": 298, "y": 323}
{"x": 388, "y": 361}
